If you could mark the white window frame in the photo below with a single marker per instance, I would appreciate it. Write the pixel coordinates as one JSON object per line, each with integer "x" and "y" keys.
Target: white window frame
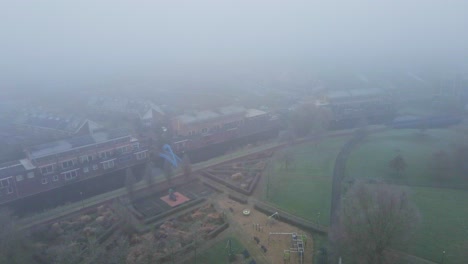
{"x": 136, "y": 146}
{"x": 9, "y": 190}
{"x": 85, "y": 169}
{"x": 55, "y": 178}
{"x": 7, "y": 183}
{"x": 141, "y": 155}
{"x": 68, "y": 175}
{"x": 67, "y": 161}
{"x": 105, "y": 154}
{"x": 44, "y": 180}
{"x": 30, "y": 175}
{"x": 124, "y": 149}
{"x": 95, "y": 167}
{"x": 19, "y": 177}
{"x": 106, "y": 164}
{"x": 85, "y": 158}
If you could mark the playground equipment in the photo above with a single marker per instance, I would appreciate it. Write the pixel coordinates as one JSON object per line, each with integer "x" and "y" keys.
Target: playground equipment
{"x": 272, "y": 218}
{"x": 298, "y": 243}
{"x": 172, "y": 195}
{"x": 169, "y": 155}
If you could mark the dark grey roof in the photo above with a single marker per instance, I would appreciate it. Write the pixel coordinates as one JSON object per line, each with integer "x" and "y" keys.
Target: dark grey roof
{"x": 68, "y": 124}
{"x": 11, "y": 169}
{"x": 60, "y": 146}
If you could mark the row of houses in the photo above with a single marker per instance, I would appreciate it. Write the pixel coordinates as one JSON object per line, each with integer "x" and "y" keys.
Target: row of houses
{"x": 55, "y": 164}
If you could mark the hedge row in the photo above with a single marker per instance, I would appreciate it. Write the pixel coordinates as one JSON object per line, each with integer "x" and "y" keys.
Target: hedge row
{"x": 173, "y": 211}
{"x": 291, "y": 219}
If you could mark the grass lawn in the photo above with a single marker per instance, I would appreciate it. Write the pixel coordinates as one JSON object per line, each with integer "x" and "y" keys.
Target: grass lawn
{"x": 444, "y": 225}
{"x": 444, "y": 211}
{"x": 219, "y": 252}
{"x": 305, "y": 188}
{"x": 416, "y": 149}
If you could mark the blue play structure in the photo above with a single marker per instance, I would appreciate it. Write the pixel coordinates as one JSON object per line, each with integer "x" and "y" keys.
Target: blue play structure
{"x": 169, "y": 155}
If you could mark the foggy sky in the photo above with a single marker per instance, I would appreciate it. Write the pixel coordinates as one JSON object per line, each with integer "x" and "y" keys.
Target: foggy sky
{"x": 65, "y": 44}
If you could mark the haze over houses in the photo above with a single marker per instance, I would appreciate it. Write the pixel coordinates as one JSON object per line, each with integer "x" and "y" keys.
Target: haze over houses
{"x": 146, "y": 111}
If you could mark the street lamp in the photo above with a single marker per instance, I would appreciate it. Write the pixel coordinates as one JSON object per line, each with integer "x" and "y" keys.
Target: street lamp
{"x": 318, "y": 218}
{"x": 443, "y": 257}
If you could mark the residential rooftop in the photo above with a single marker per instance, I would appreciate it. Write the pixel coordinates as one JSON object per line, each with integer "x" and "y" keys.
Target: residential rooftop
{"x": 64, "y": 145}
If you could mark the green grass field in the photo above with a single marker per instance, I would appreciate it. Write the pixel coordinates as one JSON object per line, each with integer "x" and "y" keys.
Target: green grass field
{"x": 219, "y": 252}
{"x": 444, "y": 211}
{"x": 305, "y": 188}
{"x": 417, "y": 150}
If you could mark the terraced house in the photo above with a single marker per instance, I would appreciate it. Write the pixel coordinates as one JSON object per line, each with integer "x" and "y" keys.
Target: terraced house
{"x": 55, "y": 164}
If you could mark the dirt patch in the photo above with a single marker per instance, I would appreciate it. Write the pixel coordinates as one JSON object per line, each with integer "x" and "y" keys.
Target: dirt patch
{"x": 257, "y": 227}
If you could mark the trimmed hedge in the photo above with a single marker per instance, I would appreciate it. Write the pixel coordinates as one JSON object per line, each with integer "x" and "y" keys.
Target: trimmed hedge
{"x": 240, "y": 199}
{"x": 218, "y": 230}
{"x": 173, "y": 211}
{"x": 291, "y": 219}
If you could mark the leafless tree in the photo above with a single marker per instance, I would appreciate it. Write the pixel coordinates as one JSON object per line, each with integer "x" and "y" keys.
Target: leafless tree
{"x": 186, "y": 165}
{"x": 127, "y": 221}
{"x": 130, "y": 183}
{"x": 168, "y": 170}
{"x": 285, "y": 158}
{"x": 373, "y": 219}
{"x": 149, "y": 174}
{"x": 309, "y": 119}
{"x": 14, "y": 243}
{"x": 398, "y": 164}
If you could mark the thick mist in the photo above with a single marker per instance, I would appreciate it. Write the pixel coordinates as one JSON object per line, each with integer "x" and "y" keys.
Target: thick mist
{"x": 83, "y": 44}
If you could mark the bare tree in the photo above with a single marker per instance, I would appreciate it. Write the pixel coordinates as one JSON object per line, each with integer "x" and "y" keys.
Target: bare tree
{"x": 130, "y": 183}
{"x": 149, "y": 174}
{"x": 168, "y": 170}
{"x": 186, "y": 166}
{"x": 373, "y": 219}
{"x": 286, "y": 158}
{"x": 127, "y": 221}
{"x": 398, "y": 164}
{"x": 14, "y": 243}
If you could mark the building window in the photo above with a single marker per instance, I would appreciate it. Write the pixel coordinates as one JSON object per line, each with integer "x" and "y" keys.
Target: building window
{"x": 70, "y": 174}
{"x": 9, "y": 190}
{"x": 86, "y": 158}
{"x": 124, "y": 149}
{"x": 47, "y": 169}
{"x": 105, "y": 154}
{"x": 108, "y": 164}
{"x": 30, "y": 175}
{"x": 85, "y": 169}
{"x": 19, "y": 177}
{"x": 55, "y": 178}
{"x": 95, "y": 167}
{"x": 204, "y": 130}
{"x": 44, "y": 181}
{"x": 136, "y": 146}
{"x": 67, "y": 164}
{"x": 140, "y": 155}
{"x": 4, "y": 183}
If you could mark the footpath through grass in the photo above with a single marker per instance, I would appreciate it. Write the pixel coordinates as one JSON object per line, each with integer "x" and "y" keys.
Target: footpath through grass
{"x": 304, "y": 189}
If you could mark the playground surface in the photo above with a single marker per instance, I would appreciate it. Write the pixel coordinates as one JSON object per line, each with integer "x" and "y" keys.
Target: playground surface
{"x": 274, "y": 246}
